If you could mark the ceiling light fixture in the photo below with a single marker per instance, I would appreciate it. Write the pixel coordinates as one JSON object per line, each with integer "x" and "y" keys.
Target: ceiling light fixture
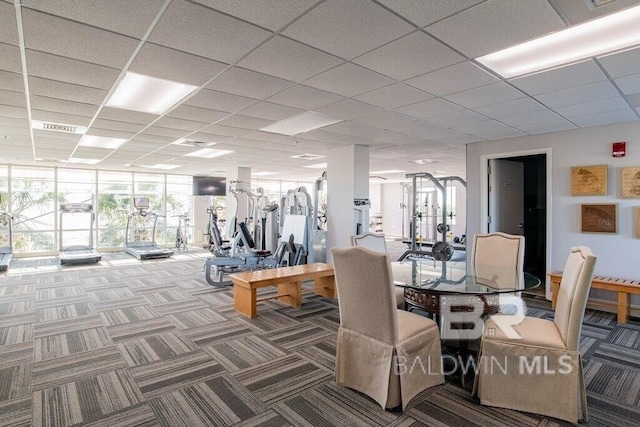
{"x": 148, "y": 94}
{"x": 424, "y": 161}
{"x": 265, "y": 173}
{"x": 163, "y": 166}
{"x": 57, "y": 127}
{"x": 307, "y": 156}
{"x": 316, "y": 166}
{"x": 608, "y": 34}
{"x": 304, "y": 122}
{"x": 101, "y": 142}
{"x": 83, "y": 161}
{"x": 208, "y": 153}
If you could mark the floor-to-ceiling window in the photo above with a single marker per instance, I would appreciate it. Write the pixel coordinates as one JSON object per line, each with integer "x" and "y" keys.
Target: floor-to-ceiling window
{"x": 113, "y": 206}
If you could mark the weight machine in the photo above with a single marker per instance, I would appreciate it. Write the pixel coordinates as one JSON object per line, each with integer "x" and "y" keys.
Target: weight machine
{"x": 440, "y": 248}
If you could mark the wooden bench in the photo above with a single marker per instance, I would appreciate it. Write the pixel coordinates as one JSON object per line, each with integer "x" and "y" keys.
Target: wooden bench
{"x": 622, "y": 286}
{"x": 287, "y": 279}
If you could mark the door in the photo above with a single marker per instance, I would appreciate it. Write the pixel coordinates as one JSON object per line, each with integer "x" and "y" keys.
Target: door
{"x": 506, "y": 196}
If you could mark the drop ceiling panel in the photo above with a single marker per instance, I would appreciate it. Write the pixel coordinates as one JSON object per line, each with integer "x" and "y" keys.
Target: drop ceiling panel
{"x": 109, "y": 133}
{"x": 561, "y": 78}
{"x": 456, "y": 78}
{"x": 621, "y": 64}
{"x": 289, "y": 60}
{"x": 168, "y": 134}
{"x": 62, "y": 106}
{"x": 91, "y": 153}
{"x": 305, "y": 97}
{"x": 343, "y": 28}
{"x": 127, "y": 116}
{"x": 214, "y": 100}
{"x": 170, "y": 64}
{"x": 54, "y": 67}
{"x": 271, "y": 111}
{"x": 409, "y": 56}
{"x": 579, "y": 11}
{"x": 606, "y": 118}
{"x": 510, "y": 108}
{"x": 219, "y": 130}
{"x": 233, "y": 38}
{"x": 384, "y": 118}
{"x": 180, "y": 124}
{"x": 485, "y": 95}
{"x": 348, "y": 109}
{"x": 530, "y": 118}
{"x": 457, "y": 118}
{"x": 272, "y": 16}
{"x": 66, "y": 91}
{"x": 433, "y": 107}
{"x": 629, "y": 85}
{"x": 77, "y": 41}
{"x": 245, "y": 122}
{"x": 489, "y": 129}
{"x": 8, "y": 28}
{"x": 67, "y": 119}
{"x": 495, "y": 25}
{"x": 10, "y": 58}
{"x": 354, "y": 129}
{"x": 14, "y": 99}
{"x": 11, "y": 81}
{"x": 578, "y": 95}
{"x": 130, "y": 128}
{"x": 547, "y": 127}
{"x": 593, "y": 107}
{"x": 349, "y": 80}
{"x": 119, "y": 16}
{"x": 188, "y": 112}
{"x": 248, "y": 83}
{"x": 393, "y": 96}
{"x": 424, "y": 13}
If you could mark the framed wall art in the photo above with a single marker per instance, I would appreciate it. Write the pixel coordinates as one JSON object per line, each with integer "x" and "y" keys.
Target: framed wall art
{"x": 631, "y": 182}
{"x": 599, "y": 218}
{"x": 589, "y": 180}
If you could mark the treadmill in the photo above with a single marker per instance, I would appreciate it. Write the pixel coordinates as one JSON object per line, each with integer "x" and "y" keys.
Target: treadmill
{"x": 78, "y": 254}
{"x": 6, "y": 252}
{"x": 136, "y": 243}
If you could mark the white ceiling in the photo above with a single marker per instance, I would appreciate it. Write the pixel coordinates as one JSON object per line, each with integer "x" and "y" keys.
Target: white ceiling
{"x": 400, "y": 73}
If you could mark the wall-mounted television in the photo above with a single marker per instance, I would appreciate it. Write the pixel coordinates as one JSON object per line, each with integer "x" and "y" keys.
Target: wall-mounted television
{"x": 209, "y": 186}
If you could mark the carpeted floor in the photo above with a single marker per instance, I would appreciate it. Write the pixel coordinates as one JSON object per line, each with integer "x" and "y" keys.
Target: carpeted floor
{"x": 128, "y": 342}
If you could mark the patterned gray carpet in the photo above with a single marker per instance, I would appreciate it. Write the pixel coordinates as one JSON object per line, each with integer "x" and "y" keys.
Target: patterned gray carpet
{"x": 128, "y": 343}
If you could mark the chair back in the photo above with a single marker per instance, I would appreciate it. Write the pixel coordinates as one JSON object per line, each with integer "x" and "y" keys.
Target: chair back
{"x": 371, "y": 241}
{"x": 573, "y": 295}
{"x": 365, "y": 293}
{"x": 498, "y": 252}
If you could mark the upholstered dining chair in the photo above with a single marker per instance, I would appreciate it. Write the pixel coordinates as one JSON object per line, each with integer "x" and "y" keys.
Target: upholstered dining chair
{"x": 388, "y": 354}
{"x": 540, "y": 367}
{"x": 376, "y": 242}
{"x": 498, "y": 251}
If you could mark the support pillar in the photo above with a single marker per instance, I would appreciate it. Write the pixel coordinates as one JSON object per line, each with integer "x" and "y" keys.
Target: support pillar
{"x": 238, "y": 208}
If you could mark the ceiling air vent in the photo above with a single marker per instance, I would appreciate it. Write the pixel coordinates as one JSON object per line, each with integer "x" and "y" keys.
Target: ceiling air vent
{"x": 307, "y": 156}
{"x": 193, "y": 143}
{"x": 597, "y": 3}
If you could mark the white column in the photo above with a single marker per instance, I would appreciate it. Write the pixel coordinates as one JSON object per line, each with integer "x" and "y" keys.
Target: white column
{"x": 347, "y": 179}
{"x": 238, "y": 208}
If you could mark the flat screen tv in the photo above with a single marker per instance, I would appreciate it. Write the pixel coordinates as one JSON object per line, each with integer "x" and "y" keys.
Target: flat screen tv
{"x": 209, "y": 186}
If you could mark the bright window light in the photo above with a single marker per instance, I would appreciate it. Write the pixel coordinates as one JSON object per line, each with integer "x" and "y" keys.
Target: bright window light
{"x": 424, "y": 161}
{"x": 608, "y": 34}
{"x": 101, "y": 142}
{"x": 317, "y": 166}
{"x": 148, "y": 94}
{"x": 386, "y": 172}
{"x": 57, "y": 127}
{"x": 163, "y": 166}
{"x": 208, "y": 153}
{"x": 84, "y": 161}
{"x": 304, "y": 122}
{"x": 265, "y": 173}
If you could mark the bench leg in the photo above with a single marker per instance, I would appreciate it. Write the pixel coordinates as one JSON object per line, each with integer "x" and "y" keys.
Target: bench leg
{"x": 623, "y": 307}
{"x": 555, "y": 288}
{"x": 290, "y": 293}
{"x": 325, "y": 286}
{"x": 244, "y": 301}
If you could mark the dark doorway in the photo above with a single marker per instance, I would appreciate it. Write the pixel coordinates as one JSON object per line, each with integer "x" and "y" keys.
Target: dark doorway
{"x": 534, "y": 227}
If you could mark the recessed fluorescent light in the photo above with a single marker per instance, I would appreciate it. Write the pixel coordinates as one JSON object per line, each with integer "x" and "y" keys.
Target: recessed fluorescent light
{"x": 307, "y": 156}
{"x": 163, "y": 166}
{"x": 316, "y": 166}
{"x": 148, "y": 94}
{"x": 101, "y": 141}
{"x": 386, "y": 172}
{"x": 424, "y": 161}
{"x": 301, "y": 123}
{"x": 83, "y": 161}
{"x": 608, "y": 34}
{"x": 265, "y": 173}
{"x": 57, "y": 127}
{"x": 208, "y": 153}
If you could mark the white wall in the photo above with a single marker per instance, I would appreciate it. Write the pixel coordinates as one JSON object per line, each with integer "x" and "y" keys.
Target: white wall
{"x": 617, "y": 253}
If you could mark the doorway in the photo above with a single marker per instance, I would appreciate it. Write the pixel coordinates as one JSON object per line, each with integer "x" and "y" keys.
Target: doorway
{"x": 517, "y": 203}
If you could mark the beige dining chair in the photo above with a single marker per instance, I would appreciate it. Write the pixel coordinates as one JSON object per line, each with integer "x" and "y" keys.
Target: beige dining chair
{"x": 535, "y": 365}
{"x": 500, "y": 252}
{"x": 388, "y": 354}
{"x": 376, "y": 242}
